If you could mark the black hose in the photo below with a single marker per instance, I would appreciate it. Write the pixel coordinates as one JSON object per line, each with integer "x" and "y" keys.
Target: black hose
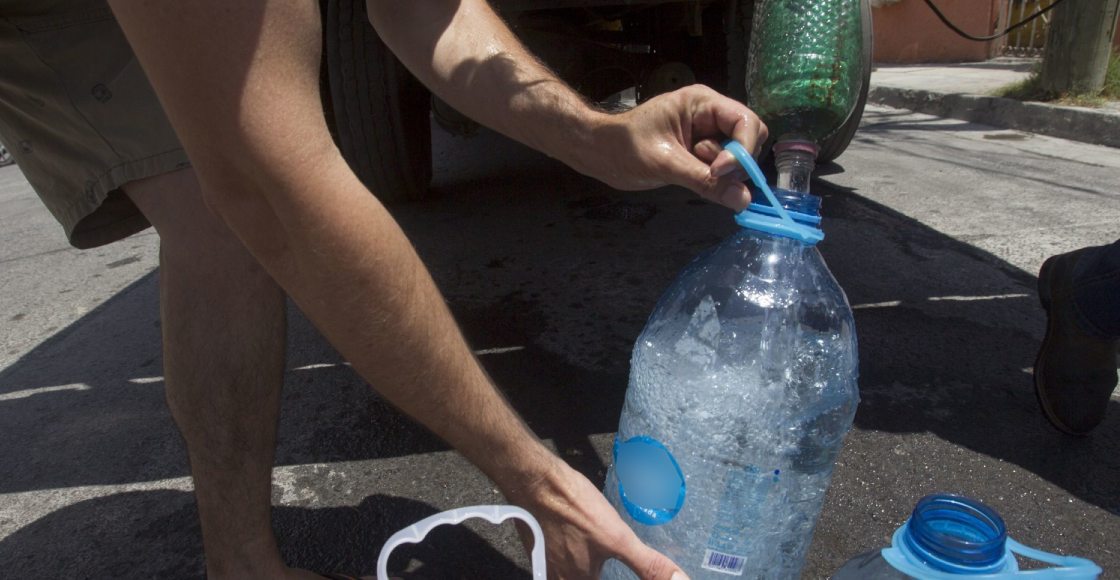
{"x": 954, "y": 27}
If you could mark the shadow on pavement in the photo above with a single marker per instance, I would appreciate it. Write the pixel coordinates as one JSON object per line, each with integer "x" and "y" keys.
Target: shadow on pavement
{"x": 156, "y": 534}
{"x": 87, "y": 406}
{"x": 948, "y": 336}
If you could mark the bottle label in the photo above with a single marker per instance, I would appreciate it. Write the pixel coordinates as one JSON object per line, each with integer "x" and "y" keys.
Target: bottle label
{"x": 746, "y": 489}
{"x": 723, "y": 563}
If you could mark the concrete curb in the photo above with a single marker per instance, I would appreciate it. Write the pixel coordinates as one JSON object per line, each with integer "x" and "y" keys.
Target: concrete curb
{"x": 1076, "y": 124}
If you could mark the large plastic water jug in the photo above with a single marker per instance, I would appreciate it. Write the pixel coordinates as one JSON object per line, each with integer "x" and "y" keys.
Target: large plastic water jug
{"x": 742, "y": 387}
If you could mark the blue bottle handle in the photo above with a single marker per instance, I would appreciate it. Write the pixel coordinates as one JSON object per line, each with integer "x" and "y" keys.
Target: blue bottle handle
{"x": 1065, "y": 567}
{"x": 760, "y": 217}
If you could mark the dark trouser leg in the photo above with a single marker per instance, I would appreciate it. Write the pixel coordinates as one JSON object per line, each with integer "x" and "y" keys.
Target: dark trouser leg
{"x": 1096, "y": 291}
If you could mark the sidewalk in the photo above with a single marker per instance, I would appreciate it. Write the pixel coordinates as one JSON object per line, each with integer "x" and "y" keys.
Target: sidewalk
{"x": 963, "y": 91}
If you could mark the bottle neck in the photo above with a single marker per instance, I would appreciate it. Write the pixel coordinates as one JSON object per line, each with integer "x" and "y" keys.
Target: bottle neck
{"x": 956, "y": 534}
{"x": 799, "y": 202}
{"x": 792, "y": 214}
{"x": 795, "y": 168}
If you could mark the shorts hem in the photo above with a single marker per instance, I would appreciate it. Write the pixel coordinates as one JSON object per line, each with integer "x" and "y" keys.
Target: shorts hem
{"x": 88, "y": 227}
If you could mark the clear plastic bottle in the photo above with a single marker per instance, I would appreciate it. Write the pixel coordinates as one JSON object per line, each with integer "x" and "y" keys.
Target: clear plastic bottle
{"x": 948, "y": 537}
{"x": 742, "y": 387}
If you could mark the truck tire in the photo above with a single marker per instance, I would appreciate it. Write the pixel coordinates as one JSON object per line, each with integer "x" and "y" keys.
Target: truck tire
{"x": 378, "y": 113}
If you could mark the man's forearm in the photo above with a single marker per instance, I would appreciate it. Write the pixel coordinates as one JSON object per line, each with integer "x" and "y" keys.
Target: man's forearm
{"x": 465, "y": 54}
{"x": 353, "y": 271}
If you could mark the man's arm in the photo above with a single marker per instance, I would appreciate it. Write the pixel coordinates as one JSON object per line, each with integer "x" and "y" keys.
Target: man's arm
{"x": 239, "y": 82}
{"x": 464, "y": 53}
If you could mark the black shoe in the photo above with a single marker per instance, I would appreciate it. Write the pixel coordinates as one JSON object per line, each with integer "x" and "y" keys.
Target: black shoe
{"x": 1075, "y": 373}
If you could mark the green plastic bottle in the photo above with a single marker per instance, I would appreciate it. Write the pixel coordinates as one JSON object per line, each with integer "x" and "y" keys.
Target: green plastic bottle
{"x": 804, "y": 66}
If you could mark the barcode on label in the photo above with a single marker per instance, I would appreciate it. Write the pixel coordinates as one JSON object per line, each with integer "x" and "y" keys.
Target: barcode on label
{"x": 723, "y": 563}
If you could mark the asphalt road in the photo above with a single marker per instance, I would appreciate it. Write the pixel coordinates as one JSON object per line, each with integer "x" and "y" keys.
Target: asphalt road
{"x": 936, "y": 229}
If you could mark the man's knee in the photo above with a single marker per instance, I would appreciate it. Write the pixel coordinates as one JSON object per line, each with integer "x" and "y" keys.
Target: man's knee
{"x": 175, "y": 204}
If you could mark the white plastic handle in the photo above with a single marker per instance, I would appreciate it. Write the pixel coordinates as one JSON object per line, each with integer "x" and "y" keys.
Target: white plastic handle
{"x": 494, "y": 514}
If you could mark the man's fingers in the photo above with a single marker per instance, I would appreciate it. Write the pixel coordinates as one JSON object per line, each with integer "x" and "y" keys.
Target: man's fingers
{"x": 688, "y": 171}
{"x": 716, "y": 118}
{"x": 721, "y": 162}
{"x": 735, "y": 195}
{"x": 725, "y": 164}
{"x": 735, "y": 120}
{"x": 751, "y": 132}
{"x": 649, "y": 564}
{"x": 708, "y": 150}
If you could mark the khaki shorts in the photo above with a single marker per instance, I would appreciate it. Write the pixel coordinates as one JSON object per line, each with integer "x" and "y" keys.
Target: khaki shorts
{"x": 79, "y": 116}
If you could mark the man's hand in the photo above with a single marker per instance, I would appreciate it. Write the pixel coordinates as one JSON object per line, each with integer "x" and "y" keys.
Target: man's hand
{"x": 582, "y": 530}
{"x": 674, "y": 139}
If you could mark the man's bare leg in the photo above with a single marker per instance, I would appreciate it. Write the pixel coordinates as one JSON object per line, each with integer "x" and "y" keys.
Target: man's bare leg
{"x": 224, "y": 345}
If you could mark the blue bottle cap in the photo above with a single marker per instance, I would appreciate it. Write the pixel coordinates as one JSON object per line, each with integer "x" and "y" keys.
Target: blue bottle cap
{"x": 772, "y": 219}
{"x": 951, "y": 532}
